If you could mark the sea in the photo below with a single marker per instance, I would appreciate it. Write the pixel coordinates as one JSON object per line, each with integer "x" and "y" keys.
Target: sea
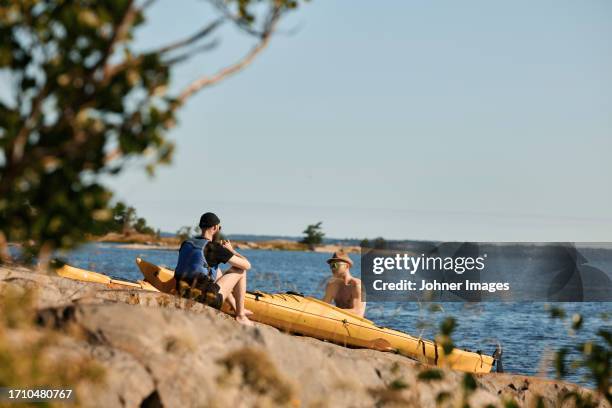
{"x": 528, "y": 335}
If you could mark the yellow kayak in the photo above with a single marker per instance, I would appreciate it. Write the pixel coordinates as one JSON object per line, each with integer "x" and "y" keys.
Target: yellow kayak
{"x": 83, "y": 275}
{"x": 312, "y": 317}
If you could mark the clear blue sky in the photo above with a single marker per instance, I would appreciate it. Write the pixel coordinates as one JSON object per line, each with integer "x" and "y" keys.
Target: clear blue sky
{"x": 471, "y": 120}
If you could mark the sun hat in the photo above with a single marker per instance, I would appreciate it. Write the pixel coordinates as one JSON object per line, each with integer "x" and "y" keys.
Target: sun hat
{"x": 340, "y": 256}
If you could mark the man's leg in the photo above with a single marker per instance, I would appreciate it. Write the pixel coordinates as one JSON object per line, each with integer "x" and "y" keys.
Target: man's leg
{"x": 231, "y": 298}
{"x": 239, "y": 293}
{"x": 234, "y": 282}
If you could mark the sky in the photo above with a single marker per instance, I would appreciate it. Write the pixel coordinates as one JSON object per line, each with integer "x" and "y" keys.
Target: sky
{"x": 446, "y": 120}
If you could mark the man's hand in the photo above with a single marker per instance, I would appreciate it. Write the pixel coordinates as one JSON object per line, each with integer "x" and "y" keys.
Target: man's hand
{"x": 237, "y": 260}
{"x": 228, "y": 245}
{"x": 330, "y": 290}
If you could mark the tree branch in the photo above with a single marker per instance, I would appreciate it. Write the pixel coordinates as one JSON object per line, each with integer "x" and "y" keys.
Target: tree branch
{"x": 112, "y": 70}
{"x": 206, "y": 81}
{"x": 121, "y": 31}
{"x": 5, "y": 255}
{"x": 203, "y": 32}
{"x": 17, "y": 146}
{"x": 188, "y": 54}
{"x": 240, "y": 22}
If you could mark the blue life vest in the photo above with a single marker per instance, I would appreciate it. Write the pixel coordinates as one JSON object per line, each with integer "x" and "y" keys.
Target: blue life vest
{"x": 191, "y": 261}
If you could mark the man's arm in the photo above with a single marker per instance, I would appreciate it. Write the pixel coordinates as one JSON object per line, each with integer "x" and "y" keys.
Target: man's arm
{"x": 330, "y": 291}
{"x": 358, "y": 305}
{"x": 237, "y": 260}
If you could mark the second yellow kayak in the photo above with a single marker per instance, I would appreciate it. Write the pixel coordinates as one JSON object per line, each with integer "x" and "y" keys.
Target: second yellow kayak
{"x": 312, "y": 317}
{"x": 84, "y": 275}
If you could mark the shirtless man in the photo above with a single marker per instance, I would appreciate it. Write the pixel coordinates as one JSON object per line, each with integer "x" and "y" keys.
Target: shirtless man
{"x": 343, "y": 288}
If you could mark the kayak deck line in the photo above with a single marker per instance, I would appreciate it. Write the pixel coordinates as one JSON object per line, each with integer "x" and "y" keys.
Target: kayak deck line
{"x": 382, "y": 329}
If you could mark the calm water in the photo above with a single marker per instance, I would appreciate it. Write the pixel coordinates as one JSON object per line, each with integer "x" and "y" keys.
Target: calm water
{"x": 524, "y": 329}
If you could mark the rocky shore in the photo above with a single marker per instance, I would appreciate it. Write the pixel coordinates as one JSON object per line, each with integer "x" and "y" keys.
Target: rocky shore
{"x": 143, "y": 349}
{"x": 144, "y": 241}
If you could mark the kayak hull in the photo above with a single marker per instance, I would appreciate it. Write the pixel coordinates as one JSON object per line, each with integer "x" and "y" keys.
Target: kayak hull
{"x": 83, "y": 275}
{"x": 312, "y": 317}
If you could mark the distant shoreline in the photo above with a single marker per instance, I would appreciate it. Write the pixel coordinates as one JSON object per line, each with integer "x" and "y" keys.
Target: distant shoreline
{"x": 151, "y": 242}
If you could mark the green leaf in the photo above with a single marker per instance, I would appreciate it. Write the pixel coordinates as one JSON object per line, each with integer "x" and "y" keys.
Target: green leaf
{"x": 398, "y": 384}
{"x": 577, "y": 321}
{"x": 560, "y": 364}
{"x": 431, "y": 375}
{"x": 448, "y": 326}
{"x": 557, "y": 313}
{"x": 469, "y": 382}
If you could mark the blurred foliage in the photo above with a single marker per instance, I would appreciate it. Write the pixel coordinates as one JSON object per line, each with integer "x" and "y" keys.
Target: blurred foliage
{"x": 511, "y": 404}
{"x": 469, "y": 382}
{"x": 444, "y": 338}
{"x": 594, "y": 356}
{"x": 432, "y": 374}
{"x": 260, "y": 376}
{"x": 313, "y": 234}
{"x": 80, "y": 102}
{"x": 557, "y": 313}
{"x": 442, "y": 397}
{"x": 389, "y": 396}
{"x": 398, "y": 384}
{"x": 28, "y": 352}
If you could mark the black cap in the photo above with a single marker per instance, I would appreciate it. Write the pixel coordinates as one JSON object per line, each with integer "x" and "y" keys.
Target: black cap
{"x": 208, "y": 220}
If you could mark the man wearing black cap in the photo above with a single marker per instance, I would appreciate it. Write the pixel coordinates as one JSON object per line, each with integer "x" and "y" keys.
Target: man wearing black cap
{"x": 198, "y": 266}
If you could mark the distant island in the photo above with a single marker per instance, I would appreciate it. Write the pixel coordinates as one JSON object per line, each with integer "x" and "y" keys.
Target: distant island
{"x": 136, "y": 240}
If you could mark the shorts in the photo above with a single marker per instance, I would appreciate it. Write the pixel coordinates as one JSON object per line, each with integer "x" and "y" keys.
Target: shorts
{"x": 201, "y": 289}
